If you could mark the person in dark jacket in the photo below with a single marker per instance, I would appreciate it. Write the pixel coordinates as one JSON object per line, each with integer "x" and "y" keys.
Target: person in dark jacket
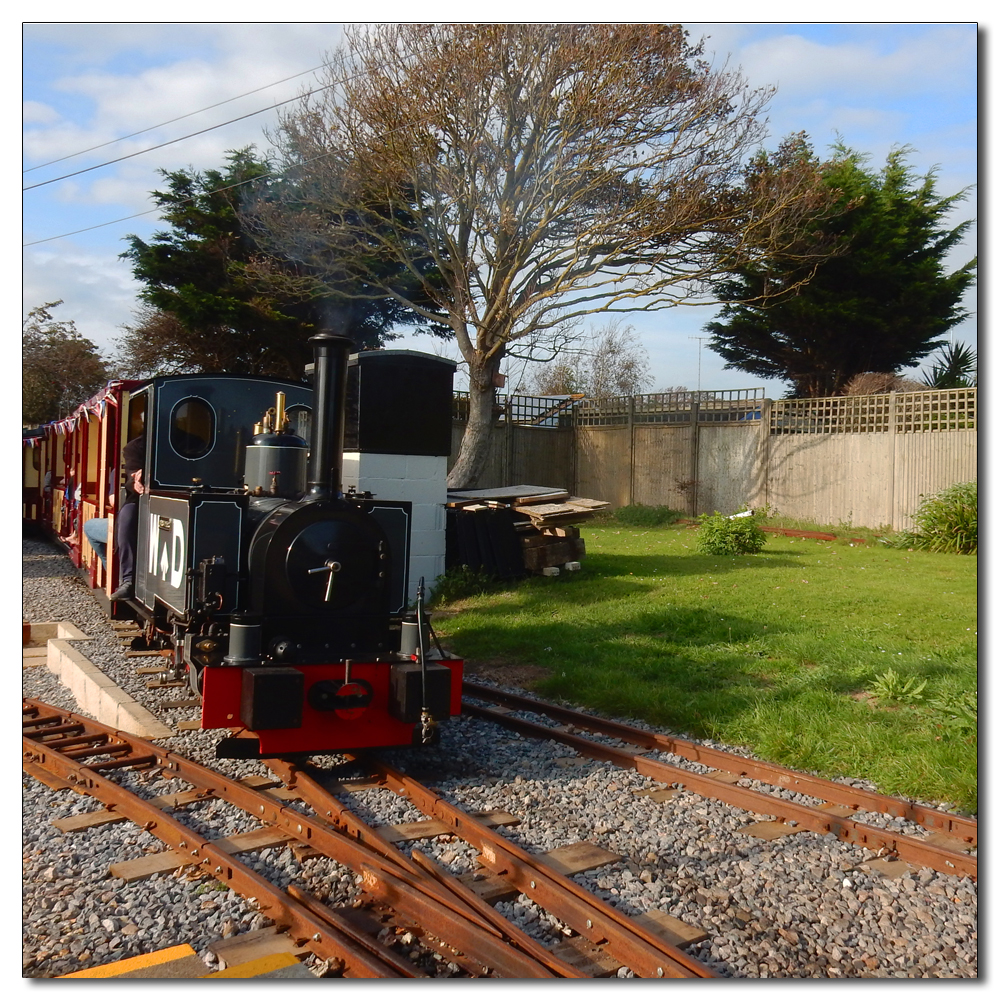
{"x": 127, "y": 521}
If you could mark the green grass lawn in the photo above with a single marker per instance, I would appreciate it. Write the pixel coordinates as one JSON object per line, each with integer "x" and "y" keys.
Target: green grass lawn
{"x": 801, "y": 653}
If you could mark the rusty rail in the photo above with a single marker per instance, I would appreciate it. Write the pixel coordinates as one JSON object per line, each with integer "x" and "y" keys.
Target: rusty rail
{"x": 831, "y": 791}
{"x": 909, "y": 849}
{"x": 387, "y": 873}
{"x": 641, "y": 950}
{"x": 475, "y": 910}
{"x": 322, "y": 937}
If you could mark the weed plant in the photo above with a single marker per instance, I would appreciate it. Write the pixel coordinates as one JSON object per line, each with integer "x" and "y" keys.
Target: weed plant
{"x": 946, "y": 522}
{"x": 460, "y": 582}
{"x": 781, "y": 652}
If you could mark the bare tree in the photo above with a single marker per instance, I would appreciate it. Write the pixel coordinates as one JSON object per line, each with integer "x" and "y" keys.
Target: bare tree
{"x": 528, "y": 174}
{"x": 878, "y": 383}
{"x": 618, "y": 364}
{"x": 610, "y": 361}
{"x": 561, "y": 378}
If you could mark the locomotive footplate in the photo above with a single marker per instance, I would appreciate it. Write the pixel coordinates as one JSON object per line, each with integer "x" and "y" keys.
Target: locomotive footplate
{"x": 314, "y": 708}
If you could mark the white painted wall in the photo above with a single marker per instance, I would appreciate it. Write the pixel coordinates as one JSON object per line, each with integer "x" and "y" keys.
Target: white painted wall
{"x": 420, "y": 479}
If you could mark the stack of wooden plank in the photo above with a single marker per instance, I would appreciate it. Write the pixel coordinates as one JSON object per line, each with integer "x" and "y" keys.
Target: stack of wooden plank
{"x": 543, "y": 520}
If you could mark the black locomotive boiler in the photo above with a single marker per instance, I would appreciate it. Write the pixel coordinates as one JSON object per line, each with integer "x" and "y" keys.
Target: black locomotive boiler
{"x": 284, "y": 600}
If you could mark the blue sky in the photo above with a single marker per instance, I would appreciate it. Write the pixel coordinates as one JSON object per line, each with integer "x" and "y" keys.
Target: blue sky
{"x": 876, "y": 85}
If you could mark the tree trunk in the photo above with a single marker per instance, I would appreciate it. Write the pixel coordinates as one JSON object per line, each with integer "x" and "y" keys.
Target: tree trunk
{"x": 475, "y": 448}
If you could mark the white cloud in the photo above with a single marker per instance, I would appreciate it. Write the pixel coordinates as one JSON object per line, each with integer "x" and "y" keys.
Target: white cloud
{"x": 36, "y": 111}
{"x": 97, "y": 289}
{"x": 893, "y": 64}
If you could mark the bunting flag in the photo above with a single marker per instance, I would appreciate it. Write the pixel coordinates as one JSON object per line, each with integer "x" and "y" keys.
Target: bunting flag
{"x": 97, "y": 404}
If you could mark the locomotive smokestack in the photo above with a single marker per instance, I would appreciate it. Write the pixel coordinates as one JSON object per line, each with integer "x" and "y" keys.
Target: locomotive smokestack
{"x": 330, "y": 353}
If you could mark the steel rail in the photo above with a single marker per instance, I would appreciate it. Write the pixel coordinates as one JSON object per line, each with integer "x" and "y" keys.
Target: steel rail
{"x": 413, "y": 893}
{"x": 641, "y": 950}
{"x": 402, "y": 966}
{"x": 525, "y": 942}
{"x": 919, "y": 852}
{"x": 322, "y": 938}
{"x": 489, "y": 949}
{"x": 314, "y": 794}
{"x": 832, "y": 791}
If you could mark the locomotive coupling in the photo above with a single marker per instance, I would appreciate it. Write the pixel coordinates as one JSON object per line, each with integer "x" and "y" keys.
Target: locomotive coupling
{"x": 427, "y": 727}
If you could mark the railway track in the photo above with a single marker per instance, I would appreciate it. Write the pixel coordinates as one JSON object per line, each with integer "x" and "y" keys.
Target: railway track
{"x": 946, "y": 846}
{"x": 403, "y": 890}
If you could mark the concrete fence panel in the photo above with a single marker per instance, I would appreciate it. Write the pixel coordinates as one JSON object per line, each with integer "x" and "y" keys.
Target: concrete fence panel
{"x": 865, "y": 461}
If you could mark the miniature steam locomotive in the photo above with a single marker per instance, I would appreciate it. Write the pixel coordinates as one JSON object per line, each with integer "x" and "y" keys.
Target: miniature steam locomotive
{"x": 283, "y": 600}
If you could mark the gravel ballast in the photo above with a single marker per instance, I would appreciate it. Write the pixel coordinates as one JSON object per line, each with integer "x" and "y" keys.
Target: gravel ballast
{"x": 802, "y": 906}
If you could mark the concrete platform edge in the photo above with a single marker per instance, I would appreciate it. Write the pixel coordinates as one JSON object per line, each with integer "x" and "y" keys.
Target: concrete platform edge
{"x": 98, "y": 696}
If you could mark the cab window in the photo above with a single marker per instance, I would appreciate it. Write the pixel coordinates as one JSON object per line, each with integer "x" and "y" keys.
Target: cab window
{"x": 192, "y": 427}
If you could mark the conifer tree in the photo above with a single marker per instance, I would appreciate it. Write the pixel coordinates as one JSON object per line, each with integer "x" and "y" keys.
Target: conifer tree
{"x": 218, "y": 298}
{"x": 880, "y": 303}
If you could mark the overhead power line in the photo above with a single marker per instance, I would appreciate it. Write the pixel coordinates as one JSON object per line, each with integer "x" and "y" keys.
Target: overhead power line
{"x": 190, "y": 114}
{"x": 270, "y": 175}
{"x": 170, "y": 142}
{"x": 229, "y": 187}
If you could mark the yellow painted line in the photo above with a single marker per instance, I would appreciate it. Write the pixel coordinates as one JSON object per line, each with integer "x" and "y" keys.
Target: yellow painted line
{"x": 255, "y": 967}
{"x": 132, "y": 964}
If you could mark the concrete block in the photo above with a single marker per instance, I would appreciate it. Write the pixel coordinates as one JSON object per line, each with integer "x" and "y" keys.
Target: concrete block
{"x": 98, "y": 696}
{"x": 349, "y": 468}
{"x": 427, "y": 543}
{"x": 53, "y": 659}
{"x": 438, "y": 519}
{"x": 424, "y": 517}
{"x": 67, "y": 630}
{"x": 133, "y": 718}
{"x": 108, "y": 704}
{"x": 76, "y": 681}
{"x": 42, "y": 631}
{"x": 433, "y": 467}
{"x": 421, "y": 491}
{"x": 376, "y": 466}
{"x": 383, "y": 488}
{"x": 90, "y": 698}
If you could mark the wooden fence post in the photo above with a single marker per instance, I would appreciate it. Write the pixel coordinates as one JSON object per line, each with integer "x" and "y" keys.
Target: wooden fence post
{"x": 765, "y": 447}
{"x": 631, "y": 449}
{"x": 509, "y": 441}
{"x": 891, "y": 417}
{"x": 695, "y": 401}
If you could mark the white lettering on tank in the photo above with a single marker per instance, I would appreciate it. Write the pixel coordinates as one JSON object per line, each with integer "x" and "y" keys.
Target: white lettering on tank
{"x": 154, "y": 538}
{"x": 177, "y": 563}
{"x": 167, "y": 551}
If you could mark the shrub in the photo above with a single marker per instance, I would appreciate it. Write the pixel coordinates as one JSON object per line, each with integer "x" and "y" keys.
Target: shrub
{"x": 637, "y": 515}
{"x": 725, "y": 536}
{"x": 946, "y": 522}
